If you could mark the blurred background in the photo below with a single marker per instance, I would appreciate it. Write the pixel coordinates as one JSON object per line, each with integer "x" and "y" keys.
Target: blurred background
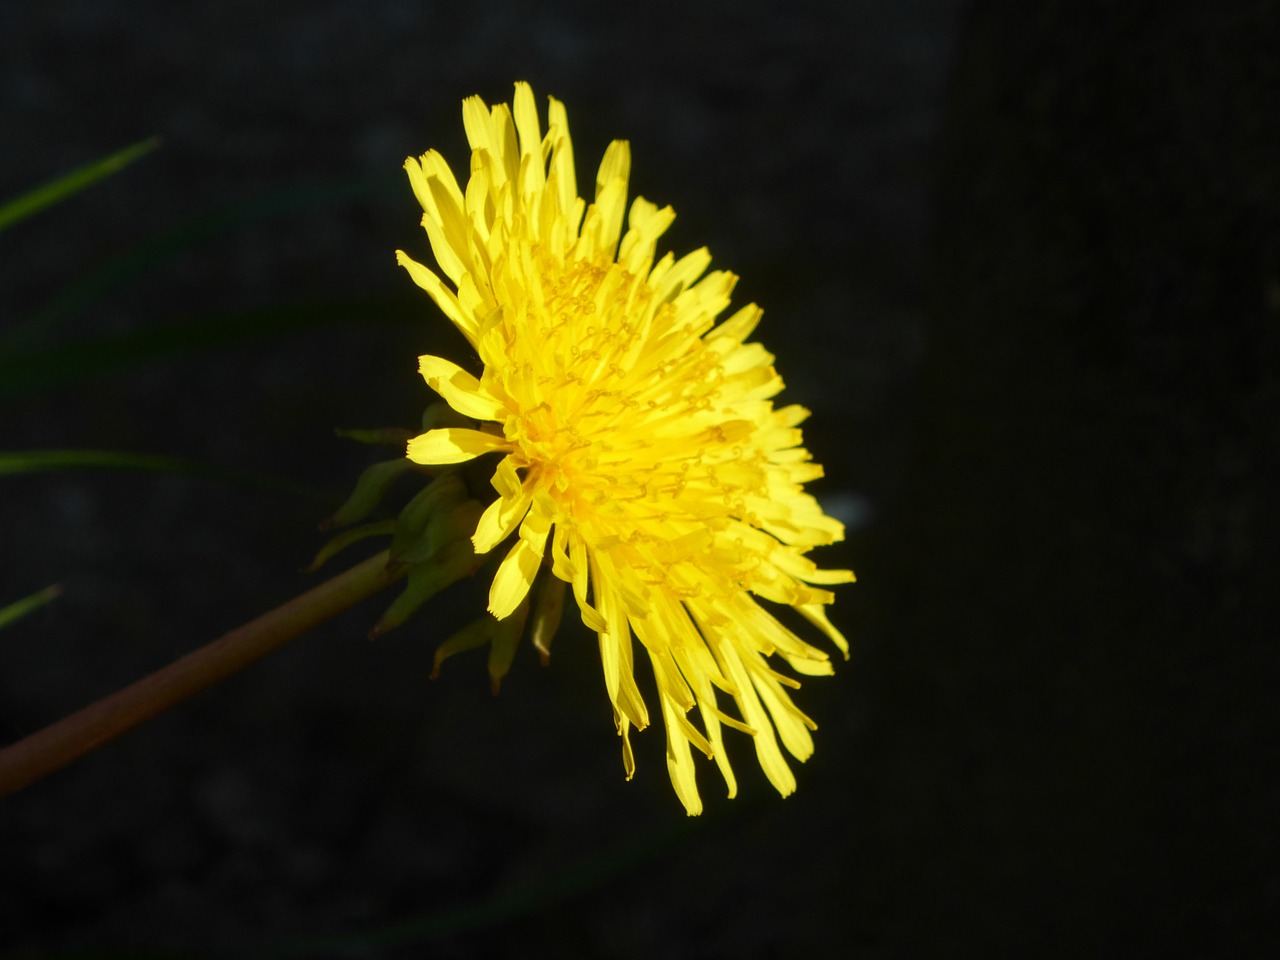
{"x": 1021, "y": 260}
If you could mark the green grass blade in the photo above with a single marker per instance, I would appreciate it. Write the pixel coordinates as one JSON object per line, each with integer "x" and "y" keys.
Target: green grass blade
{"x": 56, "y": 190}
{"x": 46, "y": 461}
{"x": 150, "y": 254}
{"x": 37, "y": 371}
{"x": 20, "y": 608}
{"x": 547, "y": 894}
{"x": 109, "y": 953}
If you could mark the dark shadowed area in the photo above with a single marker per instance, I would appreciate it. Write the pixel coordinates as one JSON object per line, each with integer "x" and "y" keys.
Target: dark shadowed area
{"x": 1022, "y": 261}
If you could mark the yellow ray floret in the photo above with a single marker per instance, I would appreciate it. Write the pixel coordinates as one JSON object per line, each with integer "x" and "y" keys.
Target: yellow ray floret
{"x": 642, "y": 460}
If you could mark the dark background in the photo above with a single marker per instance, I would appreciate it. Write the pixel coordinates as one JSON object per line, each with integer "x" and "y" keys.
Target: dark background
{"x": 1022, "y": 260}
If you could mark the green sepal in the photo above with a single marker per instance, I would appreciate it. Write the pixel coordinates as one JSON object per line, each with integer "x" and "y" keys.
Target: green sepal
{"x": 548, "y": 610}
{"x": 369, "y": 490}
{"x": 380, "y": 436}
{"x": 455, "y": 561}
{"x": 458, "y": 522}
{"x": 412, "y": 541}
{"x": 440, "y": 414}
{"x": 473, "y": 635}
{"x": 505, "y": 637}
{"x": 347, "y": 538}
{"x": 502, "y": 636}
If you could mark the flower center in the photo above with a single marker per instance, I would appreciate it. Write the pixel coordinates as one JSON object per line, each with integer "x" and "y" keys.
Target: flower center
{"x": 574, "y": 376}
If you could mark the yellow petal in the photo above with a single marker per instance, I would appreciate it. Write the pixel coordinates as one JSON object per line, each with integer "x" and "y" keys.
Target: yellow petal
{"x": 645, "y": 224}
{"x": 817, "y": 615}
{"x": 611, "y": 195}
{"x": 502, "y": 516}
{"x": 452, "y": 445}
{"x": 739, "y": 326}
{"x": 526, "y": 116}
{"x": 615, "y": 165}
{"x": 460, "y": 389}
{"x": 444, "y": 247}
{"x": 514, "y": 578}
{"x": 668, "y": 283}
{"x": 680, "y": 763}
{"x": 445, "y": 298}
{"x": 435, "y": 167}
{"x": 628, "y": 758}
{"x": 475, "y": 120}
{"x": 562, "y": 159}
{"x": 437, "y": 191}
{"x": 418, "y": 182}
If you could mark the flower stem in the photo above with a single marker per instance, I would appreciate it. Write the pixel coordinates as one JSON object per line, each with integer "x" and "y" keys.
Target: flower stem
{"x": 57, "y": 745}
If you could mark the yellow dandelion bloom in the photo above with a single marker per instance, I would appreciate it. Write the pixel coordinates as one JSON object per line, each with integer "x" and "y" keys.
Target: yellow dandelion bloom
{"x": 642, "y": 459}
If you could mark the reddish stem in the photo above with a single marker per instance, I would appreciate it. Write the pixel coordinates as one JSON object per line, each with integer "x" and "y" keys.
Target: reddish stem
{"x": 52, "y": 748}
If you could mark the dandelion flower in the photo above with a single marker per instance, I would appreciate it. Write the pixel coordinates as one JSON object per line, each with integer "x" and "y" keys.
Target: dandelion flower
{"x": 641, "y": 458}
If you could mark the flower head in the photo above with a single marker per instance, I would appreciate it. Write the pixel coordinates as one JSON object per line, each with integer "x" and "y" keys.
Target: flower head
{"x": 641, "y": 457}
